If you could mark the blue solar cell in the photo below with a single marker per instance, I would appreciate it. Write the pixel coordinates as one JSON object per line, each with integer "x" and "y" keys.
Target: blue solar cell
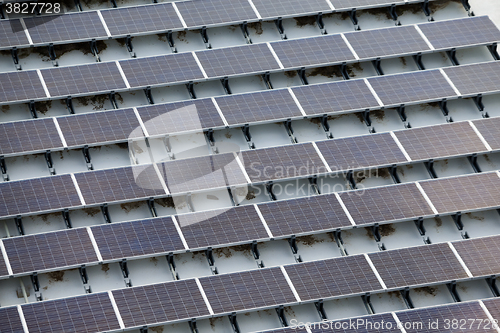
{"x": 198, "y": 13}
{"x": 475, "y": 79}
{"x": 275, "y": 9}
{"x": 20, "y": 86}
{"x": 12, "y": 33}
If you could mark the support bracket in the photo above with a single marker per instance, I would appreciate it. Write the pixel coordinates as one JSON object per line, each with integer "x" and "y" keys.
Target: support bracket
{"x": 452, "y": 54}
{"x": 171, "y": 265}
{"x": 105, "y": 213}
{"x": 493, "y": 50}
{"x": 354, "y": 19}
{"x": 234, "y": 323}
{"x": 429, "y": 165}
{"x": 19, "y": 225}
{"x": 151, "y": 206}
{"x": 337, "y": 235}
{"x": 86, "y": 155}
{"x": 112, "y": 99}
{"x": 149, "y": 96}
{"x": 211, "y": 262}
{"x": 393, "y": 170}
{"x": 130, "y": 47}
{"x": 280, "y": 311}
{"x": 170, "y": 40}
{"x": 402, "y": 116}
{"x": 204, "y": 36}
{"x": 267, "y": 79}
{"x": 302, "y": 75}
{"x": 452, "y": 287}
{"x": 3, "y": 168}
{"x": 378, "y": 68}
{"x": 321, "y": 310}
{"x": 36, "y": 286}
{"x": 443, "y": 105}
{"x": 473, "y": 162}
{"x": 125, "y": 272}
{"x": 248, "y": 136}
{"x": 33, "y": 109}
{"x": 427, "y": 10}
{"x": 67, "y": 220}
{"x": 225, "y": 85}
{"x": 478, "y": 100}
{"x": 94, "y": 50}
{"x": 326, "y": 127}
{"x": 405, "y": 293}
{"x": 350, "y": 179}
{"x": 52, "y": 54}
{"x": 69, "y": 105}
{"x": 320, "y": 23}
{"x": 343, "y": 71}
{"x": 244, "y": 30}
{"x": 192, "y": 326}
{"x": 313, "y": 181}
{"x": 457, "y": 218}
{"x": 279, "y": 26}
{"x": 368, "y": 304}
{"x": 15, "y": 58}
{"x": 113, "y": 3}
{"x": 289, "y": 130}
{"x": 50, "y": 165}
{"x": 418, "y": 61}
{"x": 85, "y": 279}
{"x": 492, "y": 283}
{"x": 269, "y": 189}
{"x": 190, "y": 88}
{"x": 394, "y": 14}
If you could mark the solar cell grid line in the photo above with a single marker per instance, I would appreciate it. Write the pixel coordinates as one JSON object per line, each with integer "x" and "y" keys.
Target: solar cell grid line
{"x": 247, "y": 290}
{"x": 386, "y": 203}
{"x": 387, "y": 42}
{"x": 83, "y": 79}
{"x": 480, "y": 255}
{"x": 141, "y": 19}
{"x": 67, "y": 27}
{"x": 258, "y": 106}
{"x": 283, "y": 8}
{"x": 246, "y": 59}
{"x": 481, "y": 137}
{"x": 312, "y": 51}
{"x": 13, "y": 34}
{"x": 440, "y": 141}
{"x": 335, "y": 97}
{"x": 358, "y": 4}
{"x": 474, "y": 79}
{"x": 40, "y": 252}
{"x": 86, "y": 314}
{"x": 158, "y": 303}
{"x": 137, "y": 238}
{"x": 489, "y": 131}
{"x": 468, "y": 31}
{"x": 379, "y": 323}
{"x": 10, "y": 320}
{"x": 171, "y": 68}
{"x": 411, "y": 87}
{"x": 418, "y": 265}
{"x": 304, "y": 215}
{"x": 221, "y": 226}
{"x": 37, "y": 195}
{"x": 333, "y": 277}
{"x": 20, "y": 86}
{"x": 458, "y": 194}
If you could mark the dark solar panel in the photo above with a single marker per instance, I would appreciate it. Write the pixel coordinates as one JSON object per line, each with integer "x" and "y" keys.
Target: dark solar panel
{"x": 440, "y": 141}
{"x": 199, "y": 173}
{"x": 86, "y": 314}
{"x": 362, "y": 151}
{"x": 12, "y": 33}
{"x": 463, "y": 193}
{"x": 312, "y": 51}
{"x": 387, "y": 42}
{"x": 461, "y": 32}
{"x": 411, "y": 87}
{"x": 480, "y": 255}
{"x": 119, "y": 184}
{"x": 36, "y": 195}
{"x": 255, "y": 58}
{"x": 490, "y": 130}
{"x": 10, "y": 321}
{"x": 493, "y": 306}
{"x": 3, "y": 269}
{"x": 223, "y": 226}
{"x": 50, "y": 250}
{"x": 382, "y": 323}
{"x": 386, "y": 203}
{"x": 26, "y": 136}
{"x": 197, "y": 13}
{"x": 131, "y": 20}
{"x": 247, "y": 290}
{"x": 20, "y": 86}
{"x": 475, "y": 79}
{"x": 83, "y": 79}
{"x": 348, "y": 4}
{"x": 170, "y": 118}
{"x": 137, "y": 238}
{"x": 335, "y": 97}
{"x": 282, "y": 162}
{"x": 100, "y": 127}
{"x": 160, "y": 303}
{"x": 57, "y": 28}
{"x": 258, "y": 106}
{"x": 303, "y": 215}
{"x": 333, "y": 277}
{"x": 165, "y": 69}
{"x": 418, "y": 265}
{"x": 269, "y": 9}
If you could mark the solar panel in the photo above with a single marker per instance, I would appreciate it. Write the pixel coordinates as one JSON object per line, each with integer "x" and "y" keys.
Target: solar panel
{"x": 388, "y": 203}
{"x": 50, "y": 250}
{"x": 440, "y": 141}
{"x": 274, "y": 9}
{"x": 411, "y": 87}
{"x": 194, "y": 115}
{"x": 83, "y": 79}
{"x": 10, "y": 321}
{"x": 160, "y": 303}
{"x": 490, "y": 130}
{"x": 31, "y": 135}
{"x": 293, "y": 329}
{"x": 418, "y": 265}
{"x": 463, "y": 193}
{"x": 3, "y": 271}
{"x": 208, "y": 12}
{"x": 480, "y": 255}
{"x": 179, "y": 67}
{"x": 362, "y": 151}
{"x": 24, "y": 196}
{"x": 381, "y": 323}
{"x": 132, "y": 20}
{"x": 137, "y": 238}
{"x": 387, "y": 42}
{"x": 461, "y": 32}
{"x": 247, "y": 59}
{"x": 119, "y": 184}
{"x": 349, "y": 4}
{"x": 206, "y": 172}
{"x": 312, "y": 51}
{"x": 475, "y": 79}
{"x": 20, "y": 86}
{"x": 493, "y": 306}
{"x": 258, "y": 106}
{"x": 333, "y": 277}
{"x": 335, "y": 97}
{"x": 222, "y": 226}
{"x": 282, "y": 162}
{"x": 304, "y": 215}
{"x": 247, "y": 290}
{"x": 100, "y": 127}
{"x": 86, "y": 314}
{"x": 13, "y": 33}
{"x": 67, "y": 27}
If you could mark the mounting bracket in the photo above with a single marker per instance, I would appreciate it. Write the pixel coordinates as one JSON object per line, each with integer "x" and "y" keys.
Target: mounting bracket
{"x": 50, "y": 165}
{"x": 405, "y": 293}
{"x": 204, "y": 36}
{"x": 292, "y": 241}
{"x": 289, "y": 130}
{"x": 69, "y": 105}
{"x": 234, "y": 323}
{"x": 85, "y": 279}
{"x": 443, "y": 105}
{"x": 67, "y": 220}
{"x": 493, "y": 50}
{"x": 269, "y": 189}
{"x": 320, "y": 23}
{"x": 86, "y": 155}
{"x": 130, "y": 47}
{"x": 143, "y": 329}
{"x": 394, "y": 14}
{"x": 452, "y": 54}
{"x": 15, "y": 58}
{"x": 171, "y": 265}
{"x": 3, "y": 168}
{"x": 211, "y": 262}
{"x": 378, "y": 68}
{"x": 78, "y": 5}
{"x": 113, "y": 3}
{"x": 52, "y": 54}
{"x": 36, "y": 286}
{"x": 427, "y": 11}
{"x": 105, "y": 213}
{"x": 337, "y": 235}
{"x": 151, "y": 206}
{"x": 343, "y": 71}
{"x": 125, "y": 272}
{"x": 170, "y": 40}
{"x": 402, "y": 116}
{"x": 19, "y": 225}
{"x": 190, "y": 88}
{"x": 280, "y": 311}
{"x": 94, "y": 50}
{"x": 279, "y": 25}
{"x": 419, "y": 223}
{"x": 429, "y": 165}
{"x": 244, "y": 30}
{"x": 418, "y": 61}
{"x": 368, "y": 304}
{"x": 452, "y": 288}
{"x": 302, "y": 75}
{"x": 354, "y": 19}
{"x": 33, "y": 109}
{"x": 267, "y": 80}
{"x": 225, "y": 85}
{"x": 256, "y": 254}
{"x": 326, "y": 126}
{"x": 473, "y": 162}
{"x": 492, "y": 283}
{"x": 393, "y": 170}
{"x": 350, "y": 179}
{"x": 457, "y": 218}
{"x": 149, "y": 96}
{"x": 112, "y": 99}
{"x": 321, "y": 310}
{"x": 248, "y": 136}
{"x": 368, "y": 121}
{"x": 192, "y": 326}
{"x": 478, "y": 100}
{"x": 313, "y": 181}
